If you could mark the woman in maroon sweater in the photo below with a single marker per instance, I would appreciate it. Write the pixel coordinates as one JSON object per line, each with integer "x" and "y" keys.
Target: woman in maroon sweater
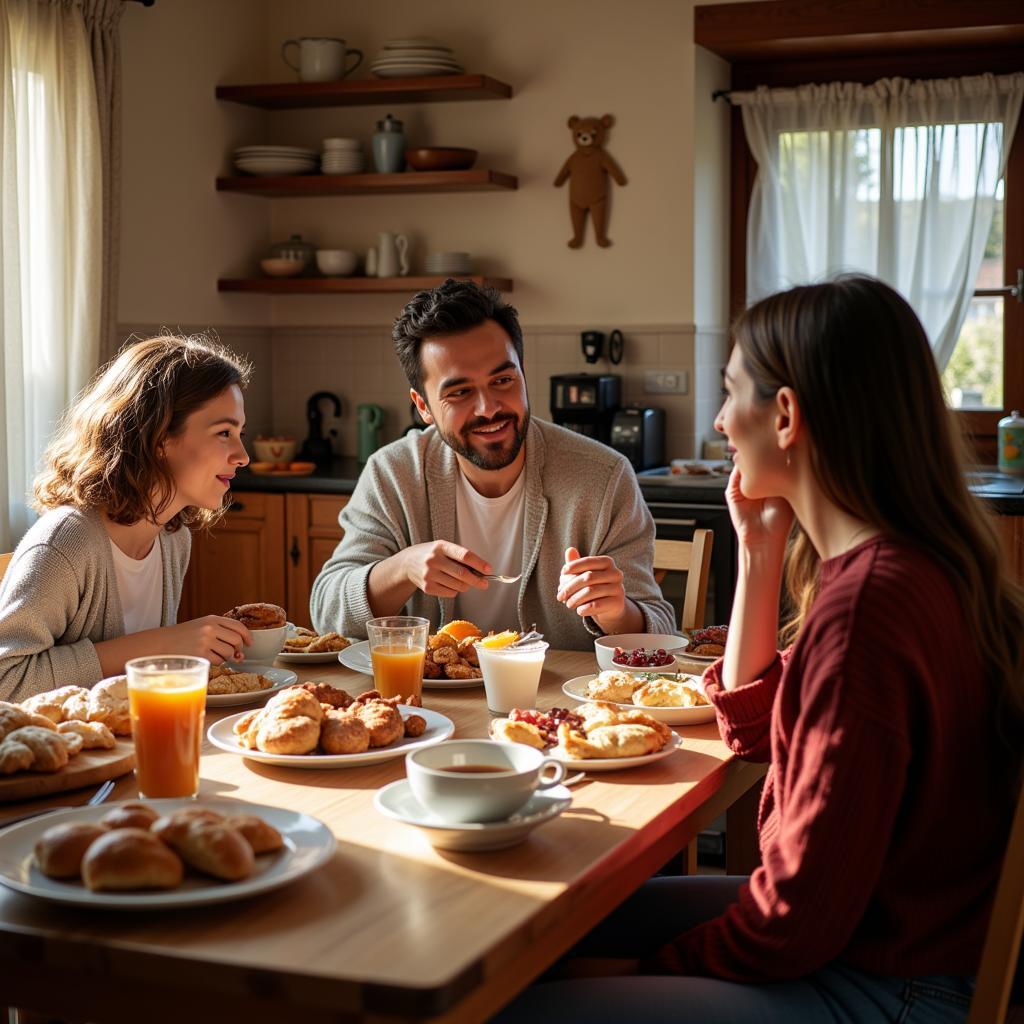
{"x": 892, "y": 721}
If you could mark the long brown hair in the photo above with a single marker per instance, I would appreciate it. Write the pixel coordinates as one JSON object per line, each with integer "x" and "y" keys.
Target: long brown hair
{"x": 885, "y": 448}
{"x": 105, "y": 454}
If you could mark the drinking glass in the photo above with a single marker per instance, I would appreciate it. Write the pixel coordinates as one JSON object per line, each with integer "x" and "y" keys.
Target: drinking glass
{"x": 398, "y": 647}
{"x": 167, "y": 702}
{"x": 511, "y": 675}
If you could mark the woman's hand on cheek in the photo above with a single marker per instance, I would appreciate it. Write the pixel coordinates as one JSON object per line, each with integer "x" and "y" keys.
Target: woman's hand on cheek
{"x": 759, "y": 522}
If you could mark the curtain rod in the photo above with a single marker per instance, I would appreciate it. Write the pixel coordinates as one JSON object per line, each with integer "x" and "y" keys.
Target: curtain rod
{"x": 722, "y": 94}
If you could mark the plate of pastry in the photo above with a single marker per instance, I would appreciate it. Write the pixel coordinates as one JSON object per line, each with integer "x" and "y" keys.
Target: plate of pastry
{"x": 155, "y": 854}
{"x": 319, "y": 726}
{"x": 233, "y": 685}
{"x": 707, "y": 644}
{"x": 357, "y": 657}
{"x": 675, "y": 699}
{"x": 306, "y": 646}
{"x": 597, "y": 736}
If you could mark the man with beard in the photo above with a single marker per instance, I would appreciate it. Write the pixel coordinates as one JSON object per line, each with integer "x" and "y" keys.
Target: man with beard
{"x": 485, "y": 489}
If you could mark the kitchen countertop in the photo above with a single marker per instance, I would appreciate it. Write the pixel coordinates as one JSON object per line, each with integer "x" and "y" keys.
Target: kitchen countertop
{"x": 1001, "y": 491}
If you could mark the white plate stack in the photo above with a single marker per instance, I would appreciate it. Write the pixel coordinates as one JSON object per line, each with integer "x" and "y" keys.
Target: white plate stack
{"x": 275, "y": 160}
{"x": 342, "y": 156}
{"x": 414, "y": 57}
{"x": 441, "y": 264}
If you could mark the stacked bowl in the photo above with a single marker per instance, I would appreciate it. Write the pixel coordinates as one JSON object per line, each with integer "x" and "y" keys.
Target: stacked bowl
{"x": 272, "y": 160}
{"x": 415, "y": 56}
{"x": 342, "y": 156}
{"x": 441, "y": 264}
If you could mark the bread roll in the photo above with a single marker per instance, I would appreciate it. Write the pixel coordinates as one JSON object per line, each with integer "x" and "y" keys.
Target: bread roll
{"x": 130, "y": 815}
{"x": 60, "y": 849}
{"x": 171, "y": 827}
{"x": 129, "y": 858}
{"x": 215, "y": 849}
{"x": 261, "y": 836}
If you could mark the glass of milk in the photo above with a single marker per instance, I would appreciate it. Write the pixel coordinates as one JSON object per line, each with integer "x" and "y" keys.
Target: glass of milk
{"x": 511, "y": 675}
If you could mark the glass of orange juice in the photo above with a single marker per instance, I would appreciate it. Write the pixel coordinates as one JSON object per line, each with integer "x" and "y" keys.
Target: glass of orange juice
{"x": 398, "y": 646}
{"x": 167, "y": 702}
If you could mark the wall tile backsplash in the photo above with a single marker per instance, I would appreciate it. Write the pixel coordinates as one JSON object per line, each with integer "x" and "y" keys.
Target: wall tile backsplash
{"x": 359, "y": 365}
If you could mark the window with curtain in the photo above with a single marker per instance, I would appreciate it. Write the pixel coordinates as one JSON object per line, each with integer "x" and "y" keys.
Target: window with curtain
{"x": 901, "y": 179}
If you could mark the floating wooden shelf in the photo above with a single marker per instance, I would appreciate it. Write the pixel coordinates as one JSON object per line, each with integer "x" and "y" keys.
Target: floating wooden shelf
{"x": 410, "y": 182}
{"x": 349, "y": 285}
{"x": 364, "y": 92}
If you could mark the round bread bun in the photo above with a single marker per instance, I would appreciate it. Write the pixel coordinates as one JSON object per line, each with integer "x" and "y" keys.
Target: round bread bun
{"x": 60, "y": 849}
{"x": 130, "y": 815}
{"x": 129, "y": 858}
{"x": 261, "y": 836}
{"x": 215, "y": 849}
{"x": 258, "y": 615}
{"x": 172, "y": 827}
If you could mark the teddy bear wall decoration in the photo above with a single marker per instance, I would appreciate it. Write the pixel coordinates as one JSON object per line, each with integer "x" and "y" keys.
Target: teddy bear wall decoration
{"x": 587, "y": 171}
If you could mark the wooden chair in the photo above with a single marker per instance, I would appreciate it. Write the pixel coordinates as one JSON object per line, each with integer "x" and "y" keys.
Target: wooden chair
{"x": 5, "y": 560}
{"x": 694, "y": 558}
{"x": 1002, "y": 942}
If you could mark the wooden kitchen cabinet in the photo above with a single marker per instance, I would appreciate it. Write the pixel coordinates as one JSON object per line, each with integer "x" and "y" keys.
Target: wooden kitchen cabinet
{"x": 313, "y": 534}
{"x": 1011, "y": 533}
{"x": 269, "y": 547}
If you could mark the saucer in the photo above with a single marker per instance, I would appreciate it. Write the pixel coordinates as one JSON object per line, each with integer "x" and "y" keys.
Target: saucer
{"x": 396, "y": 801}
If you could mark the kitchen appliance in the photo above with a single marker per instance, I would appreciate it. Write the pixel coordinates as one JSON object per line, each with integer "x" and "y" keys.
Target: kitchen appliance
{"x": 639, "y": 433}
{"x": 586, "y": 402}
{"x": 370, "y": 418}
{"x": 317, "y": 448}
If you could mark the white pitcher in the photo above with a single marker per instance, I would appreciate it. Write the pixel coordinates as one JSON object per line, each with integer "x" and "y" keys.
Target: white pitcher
{"x": 392, "y": 255}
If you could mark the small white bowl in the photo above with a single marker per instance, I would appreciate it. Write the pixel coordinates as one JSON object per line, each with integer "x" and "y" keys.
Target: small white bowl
{"x": 278, "y": 267}
{"x": 336, "y": 262}
{"x": 266, "y": 644}
{"x": 275, "y": 449}
{"x": 604, "y": 648}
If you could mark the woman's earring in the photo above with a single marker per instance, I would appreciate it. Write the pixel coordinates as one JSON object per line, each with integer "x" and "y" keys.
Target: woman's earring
{"x": 789, "y": 460}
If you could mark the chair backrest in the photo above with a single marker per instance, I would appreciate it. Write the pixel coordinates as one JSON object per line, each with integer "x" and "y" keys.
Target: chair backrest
{"x": 694, "y": 558}
{"x": 1002, "y": 942}
{"x": 5, "y": 560}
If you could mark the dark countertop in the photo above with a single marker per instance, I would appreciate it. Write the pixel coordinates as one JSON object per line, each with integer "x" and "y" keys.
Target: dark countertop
{"x": 1002, "y": 492}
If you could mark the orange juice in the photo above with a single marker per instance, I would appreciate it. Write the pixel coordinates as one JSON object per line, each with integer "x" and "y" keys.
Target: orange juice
{"x": 398, "y": 671}
{"x": 167, "y": 714}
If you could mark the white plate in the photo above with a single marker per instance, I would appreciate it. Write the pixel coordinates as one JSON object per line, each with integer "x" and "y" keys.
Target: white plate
{"x": 281, "y": 677}
{"x": 416, "y": 72}
{"x": 706, "y": 659}
{"x": 308, "y": 844}
{"x": 614, "y": 764}
{"x": 300, "y": 151}
{"x": 297, "y": 658}
{"x": 357, "y": 657}
{"x": 577, "y": 689}
{"x": 397, "y": 801}
{"x": 439, "y": 728}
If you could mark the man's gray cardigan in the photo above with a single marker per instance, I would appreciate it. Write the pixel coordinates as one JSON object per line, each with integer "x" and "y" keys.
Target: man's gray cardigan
{"x": 579, "y": 493}
{"x": 59, "y": 597}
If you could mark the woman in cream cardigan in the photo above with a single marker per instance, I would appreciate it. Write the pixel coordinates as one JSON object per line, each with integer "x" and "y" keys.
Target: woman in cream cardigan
{"x": 146, "y": 452}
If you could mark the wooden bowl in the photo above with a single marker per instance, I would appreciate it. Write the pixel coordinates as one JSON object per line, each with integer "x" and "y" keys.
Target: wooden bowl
{"x": 440, "y": 158}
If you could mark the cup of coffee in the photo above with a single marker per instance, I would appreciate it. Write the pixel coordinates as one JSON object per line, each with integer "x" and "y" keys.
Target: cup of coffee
{"x": 320, "y": 59}
{"x": 478, "y": 780}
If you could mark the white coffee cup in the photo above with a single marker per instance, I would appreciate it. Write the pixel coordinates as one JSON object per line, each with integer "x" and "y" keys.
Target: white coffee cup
{"x": 478, "y": 780}
{"x": 321, "y": 59}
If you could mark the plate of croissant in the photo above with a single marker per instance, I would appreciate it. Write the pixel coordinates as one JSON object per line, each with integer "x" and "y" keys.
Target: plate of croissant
{"x": 230, "y": 685}
{"x": 316, "y": 725}
{"x": 597, "y": 736}
{"x": 306, "y": 645}
{"x": 675, "y": 698}
{"x": 146, "y": 855}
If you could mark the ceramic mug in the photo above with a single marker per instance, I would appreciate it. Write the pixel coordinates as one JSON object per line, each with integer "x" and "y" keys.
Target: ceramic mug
{"x": 321, "y": 60}
{"x": 478, "y": 780}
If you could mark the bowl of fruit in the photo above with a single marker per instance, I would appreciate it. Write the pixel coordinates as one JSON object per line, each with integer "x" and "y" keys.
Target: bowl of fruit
{"x": 640, "y": 652}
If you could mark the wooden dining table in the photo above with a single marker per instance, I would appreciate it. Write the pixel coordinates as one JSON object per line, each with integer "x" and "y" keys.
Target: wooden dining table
{"x": 390, "y": 929}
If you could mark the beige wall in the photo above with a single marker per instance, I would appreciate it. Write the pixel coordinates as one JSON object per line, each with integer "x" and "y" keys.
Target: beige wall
{"x": 633, "y": 59}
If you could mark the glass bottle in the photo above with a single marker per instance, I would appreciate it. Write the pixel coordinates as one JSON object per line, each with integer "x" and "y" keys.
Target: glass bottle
{"x": 1010, "y": 442}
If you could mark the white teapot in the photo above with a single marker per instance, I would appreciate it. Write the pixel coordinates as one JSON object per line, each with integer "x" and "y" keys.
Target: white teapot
{"x": 391, "y": 255}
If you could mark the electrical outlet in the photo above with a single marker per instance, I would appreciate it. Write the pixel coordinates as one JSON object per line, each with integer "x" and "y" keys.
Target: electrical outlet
{"x": 666, "y": 382}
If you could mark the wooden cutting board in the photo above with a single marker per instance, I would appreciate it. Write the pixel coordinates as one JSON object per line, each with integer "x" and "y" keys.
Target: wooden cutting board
{"x": 84, "y": 769}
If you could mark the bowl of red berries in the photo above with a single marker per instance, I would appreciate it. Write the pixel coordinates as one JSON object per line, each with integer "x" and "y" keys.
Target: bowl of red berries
{"x": 640, "y": 652}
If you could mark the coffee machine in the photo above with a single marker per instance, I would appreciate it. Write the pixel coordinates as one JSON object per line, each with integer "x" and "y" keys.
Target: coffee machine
{"x": 586, "y": 402}
{"x": 639, "y": 433}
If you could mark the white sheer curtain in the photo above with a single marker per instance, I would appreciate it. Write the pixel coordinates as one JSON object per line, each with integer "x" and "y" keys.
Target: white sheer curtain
{"x": 897, "y": 179}
{"x": 51, "y": 254}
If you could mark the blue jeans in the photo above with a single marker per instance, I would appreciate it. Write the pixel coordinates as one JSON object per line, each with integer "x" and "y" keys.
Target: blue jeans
{"x": 665, "y": 907}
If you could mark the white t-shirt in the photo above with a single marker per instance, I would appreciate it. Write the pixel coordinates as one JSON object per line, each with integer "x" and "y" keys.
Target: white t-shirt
{"x": 493, "y": 529}
{"x": 140, "y": 582}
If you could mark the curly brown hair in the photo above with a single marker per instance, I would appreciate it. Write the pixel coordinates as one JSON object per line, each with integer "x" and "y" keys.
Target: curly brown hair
{"x": 105, "y": 453}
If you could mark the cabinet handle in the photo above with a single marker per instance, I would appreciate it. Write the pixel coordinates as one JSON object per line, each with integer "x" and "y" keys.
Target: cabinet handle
{"x": 236, "y": 506}
{"x": 295, "y": 553}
